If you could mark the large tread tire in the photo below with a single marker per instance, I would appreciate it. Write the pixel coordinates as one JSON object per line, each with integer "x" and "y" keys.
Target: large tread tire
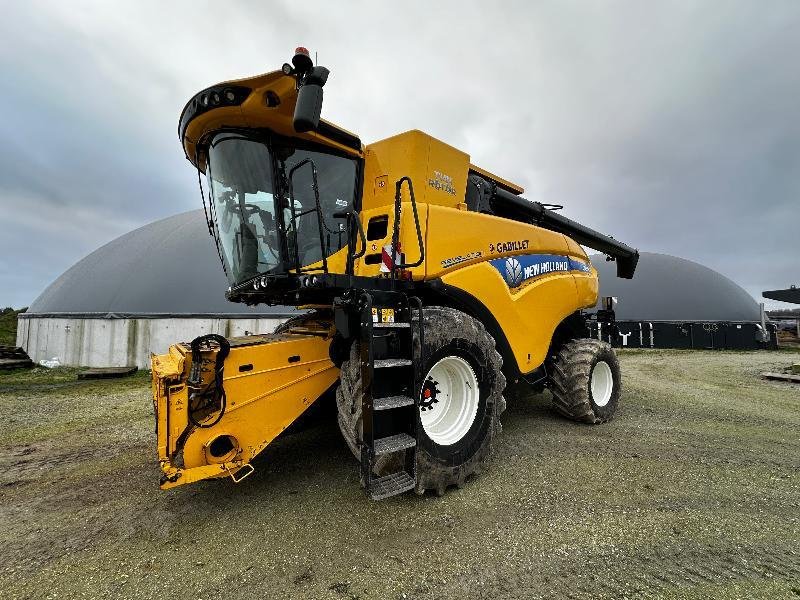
{"x": 447, "y": 331}
{"x": 571, "y": 378}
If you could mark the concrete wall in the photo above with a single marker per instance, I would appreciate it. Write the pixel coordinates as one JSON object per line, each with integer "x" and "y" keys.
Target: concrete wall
{"x": 122, "y": 342}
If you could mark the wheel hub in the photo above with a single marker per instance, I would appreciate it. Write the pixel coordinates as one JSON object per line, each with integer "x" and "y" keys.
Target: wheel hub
{"x": 449, "y": 400}
{"x": 602, "y": 383}
{"x": 430, "y": 392}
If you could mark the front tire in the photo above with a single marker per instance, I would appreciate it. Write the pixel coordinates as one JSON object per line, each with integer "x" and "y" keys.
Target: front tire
{"x": 462, "y": 398}
{"x": 585, "y": 381}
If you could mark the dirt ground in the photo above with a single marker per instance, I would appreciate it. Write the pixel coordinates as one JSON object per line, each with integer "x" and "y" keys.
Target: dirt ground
{"x": 693, "y": 491}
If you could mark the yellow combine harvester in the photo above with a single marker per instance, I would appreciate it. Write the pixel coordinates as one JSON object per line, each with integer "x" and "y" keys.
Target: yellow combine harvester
{"x": 428, "y": 282}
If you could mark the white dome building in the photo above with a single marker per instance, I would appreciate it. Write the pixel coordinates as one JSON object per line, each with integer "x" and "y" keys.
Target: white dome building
{"x": 149, "y": 288}
{"x": 163, "y": 283}
{"x": 672, "y": 302}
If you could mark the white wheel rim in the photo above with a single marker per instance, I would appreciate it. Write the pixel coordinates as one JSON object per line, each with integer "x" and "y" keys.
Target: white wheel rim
{"x": 602, "y": 383}
{"x": 450, "y": 417}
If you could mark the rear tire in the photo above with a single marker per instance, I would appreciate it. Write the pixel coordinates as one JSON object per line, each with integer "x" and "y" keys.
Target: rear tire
{"x": 457, "y": 347}
{"x": 585, "y": 381}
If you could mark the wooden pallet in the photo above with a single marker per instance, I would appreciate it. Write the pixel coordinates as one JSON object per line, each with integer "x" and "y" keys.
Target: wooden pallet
{"x": 12, "y": 352}
{"x": 782, "y": 377}
{"x": 14, "y": 357}
{"x": 107, "y": 372}
{"x": 15, "y": 363}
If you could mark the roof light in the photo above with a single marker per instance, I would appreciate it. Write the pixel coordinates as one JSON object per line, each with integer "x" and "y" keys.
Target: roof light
{"x": 302, "y": 60}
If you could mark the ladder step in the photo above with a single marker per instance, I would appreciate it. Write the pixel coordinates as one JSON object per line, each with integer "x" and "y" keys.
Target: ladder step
{"x": 394, "y": 443}
{"x": 391, "y": 402}
{"x": 391, "y": 362}
{"x": 391, "y": 485}
{"x": 387, "y": 325}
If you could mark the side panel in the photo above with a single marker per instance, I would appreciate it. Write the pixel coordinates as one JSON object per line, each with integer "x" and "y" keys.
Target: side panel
{"x": 587, "y": 283}
{"x": 269, "y": 381}
{"x": 370, "y": 264}
{"x": 528, "y": 314}
{"x": 264, "y": 401}
{"x": 456, "y": 238}
{"x": 587, "y": 286}
{"x": 438, "y": 171}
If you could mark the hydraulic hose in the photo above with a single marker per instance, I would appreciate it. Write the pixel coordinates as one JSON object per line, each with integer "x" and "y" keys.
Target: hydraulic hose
{"x": 195, "y": 375}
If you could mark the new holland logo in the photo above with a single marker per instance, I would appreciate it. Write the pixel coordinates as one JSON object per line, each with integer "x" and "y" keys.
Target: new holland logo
{"x": 513, "y": 272}
{"x": 517, "y": 269}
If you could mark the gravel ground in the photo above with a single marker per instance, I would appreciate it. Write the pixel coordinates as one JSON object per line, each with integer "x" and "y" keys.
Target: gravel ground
{"x": 691, "y": 492}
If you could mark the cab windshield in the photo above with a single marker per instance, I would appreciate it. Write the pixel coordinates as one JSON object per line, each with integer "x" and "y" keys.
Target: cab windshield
{"x": 263, "y": 204}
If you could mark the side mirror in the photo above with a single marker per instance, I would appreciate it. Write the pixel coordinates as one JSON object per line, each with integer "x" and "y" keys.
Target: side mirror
{"x": 308, "y": 108}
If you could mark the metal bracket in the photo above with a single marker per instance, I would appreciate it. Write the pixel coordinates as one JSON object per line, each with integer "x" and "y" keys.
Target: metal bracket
{"x": 243, "y": 477}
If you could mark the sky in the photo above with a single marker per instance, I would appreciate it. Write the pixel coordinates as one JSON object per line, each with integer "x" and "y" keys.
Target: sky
{"x": 672, "y": 126}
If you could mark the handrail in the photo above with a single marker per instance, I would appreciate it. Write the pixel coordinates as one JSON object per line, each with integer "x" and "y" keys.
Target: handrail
{"x": 396, "y": 227}
{"x": 320, "y": 219}
{"x": 353, "y": 215}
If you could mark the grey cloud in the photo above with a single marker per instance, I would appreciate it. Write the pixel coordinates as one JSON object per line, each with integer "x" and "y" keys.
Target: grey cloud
{"x": 671, "y": 126}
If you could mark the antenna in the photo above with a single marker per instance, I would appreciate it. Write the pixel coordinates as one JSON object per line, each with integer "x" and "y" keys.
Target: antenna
{"x": 316, "y": 58}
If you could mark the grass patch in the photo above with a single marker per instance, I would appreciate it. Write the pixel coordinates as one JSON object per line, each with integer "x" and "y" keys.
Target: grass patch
{"x": 690, "y": 492}
{"x": 8, "y": 326}
{"x": 32, "y": 379}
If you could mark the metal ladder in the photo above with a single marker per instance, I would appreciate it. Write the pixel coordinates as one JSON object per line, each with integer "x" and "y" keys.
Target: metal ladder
{"x": 390, "y": 388}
